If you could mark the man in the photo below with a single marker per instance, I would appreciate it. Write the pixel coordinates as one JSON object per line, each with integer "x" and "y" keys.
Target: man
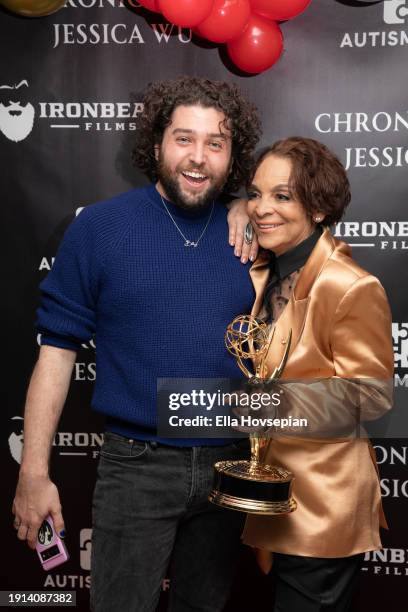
{"x": 151, "y": 274}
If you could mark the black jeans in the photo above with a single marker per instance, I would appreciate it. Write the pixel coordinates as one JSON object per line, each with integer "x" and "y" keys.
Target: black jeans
{"x": 150, "y": 505}
{"x": 311, "y": 584}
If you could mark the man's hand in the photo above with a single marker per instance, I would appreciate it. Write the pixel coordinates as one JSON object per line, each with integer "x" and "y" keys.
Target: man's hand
{"x": 237, "y": 221}
{"x": 36, "y": 497}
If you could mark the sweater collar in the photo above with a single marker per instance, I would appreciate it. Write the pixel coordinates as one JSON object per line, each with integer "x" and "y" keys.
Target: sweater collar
{"x": 175, "y": 210}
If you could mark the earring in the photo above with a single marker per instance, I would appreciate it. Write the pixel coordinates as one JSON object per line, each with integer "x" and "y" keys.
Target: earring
{"x": 317, "y": 219}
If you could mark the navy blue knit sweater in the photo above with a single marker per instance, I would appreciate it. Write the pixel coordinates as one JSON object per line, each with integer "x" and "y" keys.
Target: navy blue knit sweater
{"x": 156, "y": 308}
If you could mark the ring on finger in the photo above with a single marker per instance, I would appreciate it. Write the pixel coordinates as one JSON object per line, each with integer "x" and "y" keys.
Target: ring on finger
{"x": 249, "y": 233}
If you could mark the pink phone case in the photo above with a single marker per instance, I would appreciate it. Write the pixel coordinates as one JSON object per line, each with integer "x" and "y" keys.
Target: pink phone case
{"x": 50, "y": 548}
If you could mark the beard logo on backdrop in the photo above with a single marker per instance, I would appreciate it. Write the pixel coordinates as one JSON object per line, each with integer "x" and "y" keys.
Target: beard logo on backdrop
{"x": 15, "y": 440}
{"x": 16, "y": 114}
{"x": 394, "y": 12}
{"x": 66, "y": 443}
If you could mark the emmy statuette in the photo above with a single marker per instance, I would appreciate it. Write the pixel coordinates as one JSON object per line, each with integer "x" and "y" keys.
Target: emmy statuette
{"x": 250, "y": 485}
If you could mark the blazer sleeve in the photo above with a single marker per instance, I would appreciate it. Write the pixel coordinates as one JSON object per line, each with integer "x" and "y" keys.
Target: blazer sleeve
{"x": 362, "y": 353}
{"x": 361, "y": 343}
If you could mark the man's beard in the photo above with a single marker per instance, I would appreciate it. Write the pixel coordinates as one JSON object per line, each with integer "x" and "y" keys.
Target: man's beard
{"x": 16, "y": 127}
{"x": 168, "y": 179}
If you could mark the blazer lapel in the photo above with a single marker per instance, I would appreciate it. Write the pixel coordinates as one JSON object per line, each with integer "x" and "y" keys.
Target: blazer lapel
{"x": 317, "y": 260}
{"x": 259, "y": 274}
{"x": 287, "y": 329}
{"x": 293, "y": 317}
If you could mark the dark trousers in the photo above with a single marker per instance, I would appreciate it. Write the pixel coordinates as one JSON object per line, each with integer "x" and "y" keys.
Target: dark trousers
{"x": 150, "y": 505}
{"x": 309, "y": 584}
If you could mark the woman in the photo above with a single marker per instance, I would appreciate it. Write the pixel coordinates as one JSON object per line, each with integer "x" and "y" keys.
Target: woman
{"x": 307, "y": 282}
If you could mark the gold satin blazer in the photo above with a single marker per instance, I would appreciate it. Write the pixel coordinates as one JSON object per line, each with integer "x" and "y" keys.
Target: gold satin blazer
{"x": 341, "y": 327}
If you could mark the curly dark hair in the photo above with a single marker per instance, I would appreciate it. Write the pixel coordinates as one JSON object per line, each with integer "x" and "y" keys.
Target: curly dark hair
{"x": 160, "y": 100}
{"x": 318, "y": 178}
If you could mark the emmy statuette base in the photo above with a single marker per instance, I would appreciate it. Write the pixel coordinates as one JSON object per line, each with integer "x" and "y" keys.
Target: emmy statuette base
{"x": 253, "y": 488}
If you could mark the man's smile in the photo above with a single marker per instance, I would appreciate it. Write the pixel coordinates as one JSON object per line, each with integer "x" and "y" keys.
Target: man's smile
{"x": 194, "y": 178}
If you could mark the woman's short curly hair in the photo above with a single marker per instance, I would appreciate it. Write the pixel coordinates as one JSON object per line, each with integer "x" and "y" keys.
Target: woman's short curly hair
{"x": 318, "y": 178}
{"x": 160, "y": 100}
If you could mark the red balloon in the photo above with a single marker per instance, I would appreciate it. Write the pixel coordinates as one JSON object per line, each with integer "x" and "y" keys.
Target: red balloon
{"x": 185, "y": 13}
{"x": 258, "y": 47}
{"x": 226, "y": 21}
{"x": 279, "y": 10}
{"x": 151, "y": 5}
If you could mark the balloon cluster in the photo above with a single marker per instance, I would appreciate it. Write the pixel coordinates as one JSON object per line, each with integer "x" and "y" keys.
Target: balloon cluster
{"x": 248, "y": 27}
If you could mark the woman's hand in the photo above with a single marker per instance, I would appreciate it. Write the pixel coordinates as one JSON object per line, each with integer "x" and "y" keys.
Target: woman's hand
{"x": 237, "y": 221}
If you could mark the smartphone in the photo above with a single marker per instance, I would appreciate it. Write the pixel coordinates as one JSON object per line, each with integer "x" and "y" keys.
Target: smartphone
{"x": 50, "y": 548}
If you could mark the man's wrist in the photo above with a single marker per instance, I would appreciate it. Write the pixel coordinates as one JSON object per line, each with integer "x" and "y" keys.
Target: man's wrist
{"x": 34, "y": 471}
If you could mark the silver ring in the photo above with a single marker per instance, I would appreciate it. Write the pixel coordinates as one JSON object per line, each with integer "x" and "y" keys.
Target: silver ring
{"x": 249, "y": 233}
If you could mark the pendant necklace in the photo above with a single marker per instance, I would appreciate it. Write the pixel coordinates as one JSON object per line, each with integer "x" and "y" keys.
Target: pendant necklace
{"x": 189, "y": 243}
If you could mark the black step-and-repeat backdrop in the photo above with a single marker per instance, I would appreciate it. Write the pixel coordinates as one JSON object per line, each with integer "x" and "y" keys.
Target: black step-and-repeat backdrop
{"x": 77, "y": 77}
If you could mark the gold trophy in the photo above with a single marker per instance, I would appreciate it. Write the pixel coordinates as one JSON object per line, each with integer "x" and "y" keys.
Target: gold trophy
{"x": 253, "y": 486}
